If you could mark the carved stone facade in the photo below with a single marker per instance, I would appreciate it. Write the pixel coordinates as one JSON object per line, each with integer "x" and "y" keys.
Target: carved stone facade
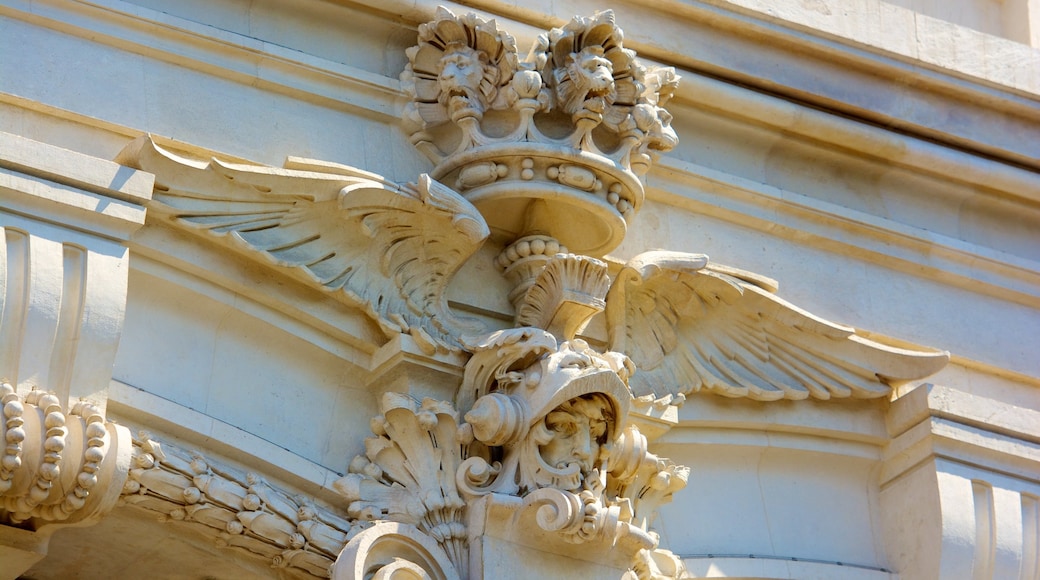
{"x": 445, "y": 348}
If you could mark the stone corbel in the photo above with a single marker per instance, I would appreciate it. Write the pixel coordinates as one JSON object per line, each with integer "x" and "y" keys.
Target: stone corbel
{"x": 64, "y": 222}
{"x": 65, "y": 219}
{"x": 959, "y": 486}
{"x": 59, "y": 467}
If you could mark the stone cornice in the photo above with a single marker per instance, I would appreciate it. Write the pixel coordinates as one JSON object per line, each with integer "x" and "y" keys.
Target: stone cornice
{"x": 70, "y": 189}
{"x": 796, "y": 60}
{"x": 206, "y": 48}
{"x": 999, "y": 104}
{"x": 898, "y": 246}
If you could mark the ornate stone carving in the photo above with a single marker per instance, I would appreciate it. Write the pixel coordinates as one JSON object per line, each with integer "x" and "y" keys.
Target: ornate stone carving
{"x": 386, "y": 248}
{"x": 540, "y": 446}
{"x": 690, "y": 325}
{"x": 393, "y": 551}
{"x": 543, "y": 425}
{"x": 238, "y": 510}
{"x": 408, "y": 473}
{"x": 461, "y": 68}
{"x": 566, "y": 130}
{"x": 57, "y": 467}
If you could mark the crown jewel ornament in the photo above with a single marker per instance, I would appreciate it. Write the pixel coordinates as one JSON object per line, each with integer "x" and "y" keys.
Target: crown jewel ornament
{"x": 567, "y": 130}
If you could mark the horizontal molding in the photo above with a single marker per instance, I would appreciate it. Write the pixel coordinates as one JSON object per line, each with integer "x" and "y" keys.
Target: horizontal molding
{"x": 845, "y": 231}
{"x": 856, "y": 138}
{"x": 218, "y": 52}
{"x": 918, "y": 89}
{"x": 161, "y": 416}
{"x": 71, "y": 190}
{"x": 937, "y": 438}
{"x": 313, "y": 79}
{"x": 971, "y": 409}
{"x": 773, "y": 437}
{"x": 84, "y": 172}
{"x": 303, "y": 312}
{"x": 769, "y": 567}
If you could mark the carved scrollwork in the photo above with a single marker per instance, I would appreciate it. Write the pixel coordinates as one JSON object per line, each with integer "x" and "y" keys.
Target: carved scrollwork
{"x": 393, "y": 551}
{"x": 544, "y": 423}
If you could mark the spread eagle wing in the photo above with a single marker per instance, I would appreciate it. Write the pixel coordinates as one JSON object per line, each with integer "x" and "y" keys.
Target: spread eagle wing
{"x": 388, "y": 249}
{"x": 690, "y": 326}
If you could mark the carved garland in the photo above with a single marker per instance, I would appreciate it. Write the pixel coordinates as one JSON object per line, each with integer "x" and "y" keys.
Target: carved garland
{"x": 238, "y": 510}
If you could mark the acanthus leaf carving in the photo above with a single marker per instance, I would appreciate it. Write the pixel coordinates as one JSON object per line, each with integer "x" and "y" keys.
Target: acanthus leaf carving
{"x": 388, "y": 249}
{"x": 408, "y": 473}
{"x": 542, "y": 429}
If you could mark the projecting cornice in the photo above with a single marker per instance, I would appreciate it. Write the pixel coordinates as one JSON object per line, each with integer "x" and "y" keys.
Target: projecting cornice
{"x": 995, "y": 96}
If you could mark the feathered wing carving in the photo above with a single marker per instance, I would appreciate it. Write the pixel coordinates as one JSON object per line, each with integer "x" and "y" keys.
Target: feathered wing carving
{"x": 690, "y": 326}
{"x": 389, "y": 249}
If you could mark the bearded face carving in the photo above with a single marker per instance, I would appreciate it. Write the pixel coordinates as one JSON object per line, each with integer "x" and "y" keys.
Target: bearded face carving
{"x": 579, "y": 429}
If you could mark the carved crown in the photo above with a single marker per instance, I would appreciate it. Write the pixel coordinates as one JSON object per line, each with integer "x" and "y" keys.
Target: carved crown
{"x": 566, "y": 131}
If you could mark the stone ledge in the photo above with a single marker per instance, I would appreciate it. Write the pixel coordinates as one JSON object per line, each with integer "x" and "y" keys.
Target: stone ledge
{"x": 162, "y": 417}
{"x": 1002, "y": 105}
{"x": 70, "y": 189}
{"x": 776, "y": 567}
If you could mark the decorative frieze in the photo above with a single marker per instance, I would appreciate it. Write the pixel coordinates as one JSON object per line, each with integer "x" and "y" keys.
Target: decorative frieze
{"x": 238, "y": 510}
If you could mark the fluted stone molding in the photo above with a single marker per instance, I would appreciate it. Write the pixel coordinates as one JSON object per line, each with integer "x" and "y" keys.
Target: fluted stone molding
{"x": 960, "y": 491}
{"x": 64, "y": 221}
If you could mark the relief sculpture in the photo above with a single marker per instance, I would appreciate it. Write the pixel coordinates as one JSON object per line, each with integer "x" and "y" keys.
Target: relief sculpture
{"x": 542, "y": 157}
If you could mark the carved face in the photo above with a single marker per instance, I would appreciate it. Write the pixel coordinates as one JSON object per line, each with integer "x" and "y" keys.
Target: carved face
{"x": 579, "y": 428}
{"x": 462, "y": 70}
{"x": 591, "y": 72}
